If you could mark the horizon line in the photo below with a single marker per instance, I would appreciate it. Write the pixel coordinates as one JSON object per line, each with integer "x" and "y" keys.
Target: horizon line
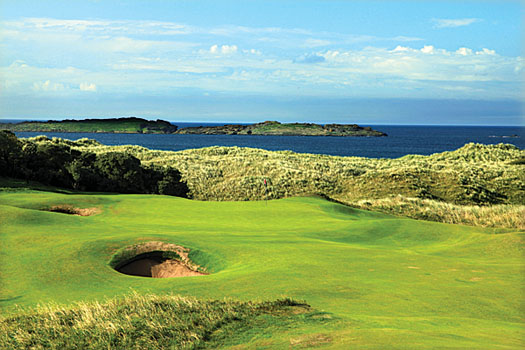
{"x": 253, "y": 122}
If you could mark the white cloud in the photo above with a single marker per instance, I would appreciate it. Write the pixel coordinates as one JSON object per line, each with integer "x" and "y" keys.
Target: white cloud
{"x": 428, "y": 49}
{"x": 127, "y": 27}
{"x": 228, "y": 49}
{"x": 87, "y": 87}
{"x": 464, "y": 51}
{"x": 486, "y": 51}
{"x": 311, "y": 42}
{"x": 453, "y": 23}
{"x": 406, "y": 38}
{"x": 401, "y": 49}
{"x": 224, "y": 49}
{"x": 402, "y": 71}
{"x": 47, "y": 86}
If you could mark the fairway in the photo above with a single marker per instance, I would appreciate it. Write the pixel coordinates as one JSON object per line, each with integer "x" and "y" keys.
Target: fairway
{"x": 384, "y": 281}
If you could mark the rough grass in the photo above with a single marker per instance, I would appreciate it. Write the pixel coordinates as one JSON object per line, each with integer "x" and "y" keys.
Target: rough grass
{"x": 449, "y": 186}
{"x": 141, "y": 322}
{"x": 499, "y": 215}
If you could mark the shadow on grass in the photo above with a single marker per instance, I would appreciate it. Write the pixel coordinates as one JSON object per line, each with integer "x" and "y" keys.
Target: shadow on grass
{"x": 8, "y": 184}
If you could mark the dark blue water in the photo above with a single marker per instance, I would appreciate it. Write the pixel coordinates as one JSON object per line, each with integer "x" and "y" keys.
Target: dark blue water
{"x": 401, "y": 140}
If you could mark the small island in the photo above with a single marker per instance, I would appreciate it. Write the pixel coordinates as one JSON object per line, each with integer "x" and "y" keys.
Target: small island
{"x": 127, "y": 125}
{"x": 292, "y": 129}
{"x": 133, "y": 125}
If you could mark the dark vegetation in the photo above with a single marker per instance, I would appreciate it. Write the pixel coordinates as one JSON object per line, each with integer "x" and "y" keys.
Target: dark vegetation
{"x": 146, "y": 322}
{"x": 57, "y": 164}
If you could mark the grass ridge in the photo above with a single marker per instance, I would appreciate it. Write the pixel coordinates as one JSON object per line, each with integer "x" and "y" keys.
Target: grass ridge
{"x": 135, "y": 321}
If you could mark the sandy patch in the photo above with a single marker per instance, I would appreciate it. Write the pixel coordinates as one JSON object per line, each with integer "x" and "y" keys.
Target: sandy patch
{"x": 158, "y": 268}
{"x": 68, "y": 209}
{"x": 310, "y": 340}
{"x": 413, "y": 267}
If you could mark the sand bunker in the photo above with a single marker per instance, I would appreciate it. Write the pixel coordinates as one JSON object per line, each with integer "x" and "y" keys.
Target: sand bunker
{"x": 67, "y": 209}
{"x": 147, "y": 260}
{"x": 156, "y": 266}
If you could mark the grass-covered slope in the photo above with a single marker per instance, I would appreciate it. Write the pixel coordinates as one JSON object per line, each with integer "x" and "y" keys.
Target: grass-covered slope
{"x": 147, "y": 322}
{"x": 114, "y": 125}
{"x": 447, "y": 187}
{"x": 386, "y": 282}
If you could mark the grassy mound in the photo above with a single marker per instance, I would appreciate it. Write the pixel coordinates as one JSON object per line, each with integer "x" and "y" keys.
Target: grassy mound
{"x": 143, "y": 322}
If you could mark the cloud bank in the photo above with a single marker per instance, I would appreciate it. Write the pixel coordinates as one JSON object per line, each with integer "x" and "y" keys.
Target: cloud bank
{"x": 43, "y": 56}
{"x": 454, "y": 23}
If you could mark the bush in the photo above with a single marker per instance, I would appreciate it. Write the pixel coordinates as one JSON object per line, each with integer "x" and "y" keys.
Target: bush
{"x": 54, "y": 162}
{"x": 10, "y": 152}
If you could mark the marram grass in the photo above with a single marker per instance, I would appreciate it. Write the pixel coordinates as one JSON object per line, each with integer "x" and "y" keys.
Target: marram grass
{"x": 143, "y": 322}
{"x": 498, "y": 215}
{"x": 474, "y": 185}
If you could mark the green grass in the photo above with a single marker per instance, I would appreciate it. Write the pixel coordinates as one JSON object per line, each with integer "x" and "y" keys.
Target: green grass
{"x": 385, "y": 281}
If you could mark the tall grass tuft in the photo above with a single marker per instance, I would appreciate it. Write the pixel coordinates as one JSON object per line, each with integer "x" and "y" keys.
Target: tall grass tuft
{"x": 135, "y": 322}
{"x": 501, "y": 215}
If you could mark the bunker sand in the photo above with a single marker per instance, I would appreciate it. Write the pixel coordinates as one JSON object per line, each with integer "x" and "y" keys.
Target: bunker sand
{"x": 158, "y": 268}
{"x": 149, "y": 260}
{"x": 67, "y": 209}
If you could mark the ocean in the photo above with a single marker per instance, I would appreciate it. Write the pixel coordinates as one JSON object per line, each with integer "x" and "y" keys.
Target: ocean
{"x": 401, "y": 140}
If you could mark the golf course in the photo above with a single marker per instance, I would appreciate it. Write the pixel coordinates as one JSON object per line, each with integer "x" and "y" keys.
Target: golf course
{"x": 365, "y": 279}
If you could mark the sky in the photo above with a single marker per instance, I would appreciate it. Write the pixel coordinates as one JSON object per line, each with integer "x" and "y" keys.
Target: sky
{"x": 367, "y": 62}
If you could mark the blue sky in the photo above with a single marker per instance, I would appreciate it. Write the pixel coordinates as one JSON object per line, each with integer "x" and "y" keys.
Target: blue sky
{"x": 369, "y": 62}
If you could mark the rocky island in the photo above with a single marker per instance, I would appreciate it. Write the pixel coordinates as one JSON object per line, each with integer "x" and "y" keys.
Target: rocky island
{"x": 133, "y": 125}
{"x": 127, "y": 125}
{"x": 292, "y": 129}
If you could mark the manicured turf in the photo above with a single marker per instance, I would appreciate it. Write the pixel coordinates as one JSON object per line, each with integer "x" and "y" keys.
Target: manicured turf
{"x": 387, "y": 282}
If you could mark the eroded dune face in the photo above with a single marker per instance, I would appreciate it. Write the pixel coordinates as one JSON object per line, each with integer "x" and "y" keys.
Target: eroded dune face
{"x": 157, "y": 267}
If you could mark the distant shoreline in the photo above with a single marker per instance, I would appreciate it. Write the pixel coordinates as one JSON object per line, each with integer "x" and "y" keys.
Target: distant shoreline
{"x": 182, "y": 124}
{"x": 134, "y": 125}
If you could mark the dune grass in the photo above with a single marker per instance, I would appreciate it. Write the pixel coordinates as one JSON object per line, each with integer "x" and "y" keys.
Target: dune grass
{"x": 377, "y": 281}
{"x": 146, "y": 322}
{"x": 474, "y": 185}
{"x": 499, "y": 215}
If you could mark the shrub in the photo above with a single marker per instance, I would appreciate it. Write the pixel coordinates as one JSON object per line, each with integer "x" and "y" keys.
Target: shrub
{"x": 55, "y": 162}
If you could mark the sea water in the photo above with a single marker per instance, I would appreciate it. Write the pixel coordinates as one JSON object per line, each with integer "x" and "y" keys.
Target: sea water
{"x": 401, "y": 140}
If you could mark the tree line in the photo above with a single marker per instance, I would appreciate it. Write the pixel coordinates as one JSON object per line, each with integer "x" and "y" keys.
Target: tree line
{"x": 57, "y": 164}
